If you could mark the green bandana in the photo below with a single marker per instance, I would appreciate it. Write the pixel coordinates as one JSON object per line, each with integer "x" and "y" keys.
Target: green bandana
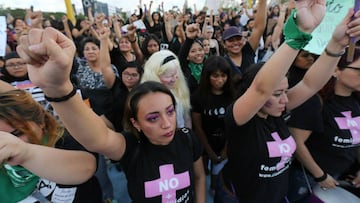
{"x": 294, "y": 37}
{"x": 196, "y": 70}
{"x": 16, "y": 183}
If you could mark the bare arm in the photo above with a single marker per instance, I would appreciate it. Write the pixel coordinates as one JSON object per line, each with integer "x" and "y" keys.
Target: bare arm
{"x": 134, "y": 43}
{"x": 61, "y": 164}
{"x": 4, "y": 86}
{"x": 66, "y": 27}
{"x": 276, "y": 35}
{"x": 325, "y": 65}
{"x": 303, "y": 155}
{"x": 168, "y": 31}
{"x": 259, "y": 25}
{"x": 86, "y": 126}
{"x": 277, "y": 66}
{"x": 107, "y": 71}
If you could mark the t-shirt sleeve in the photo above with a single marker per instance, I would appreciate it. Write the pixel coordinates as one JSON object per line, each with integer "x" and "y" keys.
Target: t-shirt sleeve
{"x": 307, "y": 116}
{"x": 67, "y": 142}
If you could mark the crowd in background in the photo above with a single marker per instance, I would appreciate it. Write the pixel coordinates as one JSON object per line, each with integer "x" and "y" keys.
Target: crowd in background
{"x": 216, "y": 65}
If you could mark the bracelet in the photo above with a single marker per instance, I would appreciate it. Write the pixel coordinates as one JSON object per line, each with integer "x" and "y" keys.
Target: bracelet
{"x": 132, "y": 41}
{"x": 294, "y": 37}
{"x": 332, "y": 54}
{"x": 321, "y": 178}
{"x": 62, "y": 99}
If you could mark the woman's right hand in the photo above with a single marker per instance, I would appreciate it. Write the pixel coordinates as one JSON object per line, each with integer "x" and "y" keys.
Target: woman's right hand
{"x": 49, "y": 55}
{"x": 192, "y": 30}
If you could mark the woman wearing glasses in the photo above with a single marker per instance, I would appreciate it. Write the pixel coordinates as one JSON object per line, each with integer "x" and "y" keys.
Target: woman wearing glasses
{"x": 331, "y": 156}
{"x": 15, "y": 68}
{"x": 32, "y": 140}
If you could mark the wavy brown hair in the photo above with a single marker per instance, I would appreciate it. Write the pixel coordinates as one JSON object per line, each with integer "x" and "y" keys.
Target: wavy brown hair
{"x": 18, "y": 109}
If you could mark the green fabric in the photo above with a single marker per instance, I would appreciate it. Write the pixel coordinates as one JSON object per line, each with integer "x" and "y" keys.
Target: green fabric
{"x": 16, "y": 183}
{"x": 196, "y": 71}
{"x": 295, "y": 38}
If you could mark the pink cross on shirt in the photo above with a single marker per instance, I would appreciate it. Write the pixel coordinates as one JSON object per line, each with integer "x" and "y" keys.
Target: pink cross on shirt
{"x": 281, "y": 148}
{"x": 350, "y": 123}
{"x": 167, "y": 184}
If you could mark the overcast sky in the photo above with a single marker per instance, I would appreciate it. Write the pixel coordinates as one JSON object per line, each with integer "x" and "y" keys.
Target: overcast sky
{"x": 127, "y": 5}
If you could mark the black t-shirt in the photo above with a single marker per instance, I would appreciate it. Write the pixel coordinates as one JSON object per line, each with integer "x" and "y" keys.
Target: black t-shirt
{"x": 161, "y": 173}
{"x": 116, "y": 112}
{"x": 248, "y": 56}
{"x": 307, "y": 116}
{"x": 259, "y": 155}
{"x": 335, "y": 150}
{"x": 89, "y": 191}
{"x": 212, "y": 110}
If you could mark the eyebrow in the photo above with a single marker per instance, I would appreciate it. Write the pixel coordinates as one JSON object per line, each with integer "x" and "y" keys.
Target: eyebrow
{"x": 156, "y": 112}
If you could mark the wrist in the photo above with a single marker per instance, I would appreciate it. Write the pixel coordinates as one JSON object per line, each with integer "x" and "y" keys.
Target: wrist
{"x": 62, "y": 98}
{"x": 334, "y": 48}
{"x": 321, "y": 178}
{"x": 294, "y": 37}
{"x": 132, "y": 41}
{"x": 58, "y": 90}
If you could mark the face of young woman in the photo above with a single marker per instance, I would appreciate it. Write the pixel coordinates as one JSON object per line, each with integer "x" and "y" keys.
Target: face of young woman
{"x": 156, "y": 118}
{"x": 206, "y": 46}
{"x": 348, "y": 79}
{"x": 91, "y": 51}
{"x": 209, "y": 33}
{"x": 130, "y": 77}
{"x": 152, "y": 46}
{"x": 218, "y": 80}
{"x": 304, "y": 60}
{"x": 276, "y": 104}
{"x": 196, "y": 54}
{"x": 169, "y": 77}
{"x": 8, "y": 128}
{"x": 124, "y": 45}
{"x": 234, "y": 45}
{"x": 16, "y": 67}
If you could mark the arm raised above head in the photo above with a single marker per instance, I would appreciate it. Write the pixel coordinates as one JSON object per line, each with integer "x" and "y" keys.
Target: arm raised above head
{"x": 275, "y": 69}
{"x": 50, "y": 54}
{"x": 321, "y": 71}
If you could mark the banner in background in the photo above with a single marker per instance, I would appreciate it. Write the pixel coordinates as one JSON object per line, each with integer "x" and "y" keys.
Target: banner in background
{"x": 213, "y": 5}
{"x": 70, "y": 12}
{"x": 336, "y": 10}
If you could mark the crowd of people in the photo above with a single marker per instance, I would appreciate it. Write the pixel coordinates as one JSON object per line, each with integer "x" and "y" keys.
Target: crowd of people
{"x": 189, "y": 95}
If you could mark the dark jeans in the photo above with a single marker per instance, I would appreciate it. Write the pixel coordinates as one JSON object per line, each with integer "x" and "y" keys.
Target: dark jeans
{"x": 226, "y": 195}
{"x": 222, "y": 194}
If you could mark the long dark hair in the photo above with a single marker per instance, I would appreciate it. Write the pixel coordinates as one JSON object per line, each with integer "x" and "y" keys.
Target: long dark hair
{"x": 146, "y": 42}
{"x": 211, "y": 65}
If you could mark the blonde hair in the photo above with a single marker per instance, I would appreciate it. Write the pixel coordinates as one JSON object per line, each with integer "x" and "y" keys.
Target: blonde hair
{"x": 155, "y": 67}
